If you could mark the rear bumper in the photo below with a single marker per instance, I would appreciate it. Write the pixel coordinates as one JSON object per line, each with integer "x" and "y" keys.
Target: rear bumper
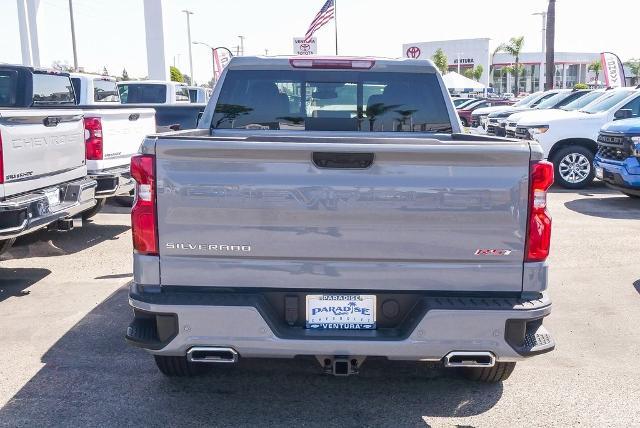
{"x": 113, "y": 182}
{"x": 28, "y": 212}
{"x": 170, "y": 323}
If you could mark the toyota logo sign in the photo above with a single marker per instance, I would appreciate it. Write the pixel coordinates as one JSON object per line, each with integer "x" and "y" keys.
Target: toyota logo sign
{"x": 413, "y": 52}
{"x": 305, "y": 47}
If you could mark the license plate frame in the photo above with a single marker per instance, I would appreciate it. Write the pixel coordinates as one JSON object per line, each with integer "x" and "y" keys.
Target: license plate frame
{"x": 340, "y": 311}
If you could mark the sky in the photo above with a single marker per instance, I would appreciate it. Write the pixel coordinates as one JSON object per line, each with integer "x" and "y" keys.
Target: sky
{"x": 110, "y": 33}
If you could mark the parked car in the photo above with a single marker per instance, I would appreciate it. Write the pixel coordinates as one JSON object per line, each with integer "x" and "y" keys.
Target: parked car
{"x": 617, "y": 161}
{"x": 113, "y": 133}
{"x": 507, "y": 122}
{"x": 545, "y": 114}
{"x": 153, "y": 92}
{"x": 508, "y": 95}
{"x": 465, "y": 112}
{"x": 479, "y": 118}
{"x": 285, "y": 231}
{"x": 198, "y": 94}
{"x": 43, "y": 173}
{"x": 496, "y": 121}
{"x": 570, "y": 140}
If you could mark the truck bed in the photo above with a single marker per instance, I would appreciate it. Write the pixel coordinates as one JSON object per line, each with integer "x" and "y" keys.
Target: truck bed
{"x": 336, "y": 211}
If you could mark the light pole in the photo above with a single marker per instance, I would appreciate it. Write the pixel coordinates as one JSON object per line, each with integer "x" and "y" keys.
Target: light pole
{"x": 241, "y": 45}
{"x": 73, "y": 36}
{"x": 188, "y": 12}
{"x": 543, "y": 14}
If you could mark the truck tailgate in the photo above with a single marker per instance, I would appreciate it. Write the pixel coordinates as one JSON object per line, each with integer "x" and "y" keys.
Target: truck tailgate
{"x": 41, "y": 148}
{"x": 267, "y": 213}
{"x": 123, "y": 130}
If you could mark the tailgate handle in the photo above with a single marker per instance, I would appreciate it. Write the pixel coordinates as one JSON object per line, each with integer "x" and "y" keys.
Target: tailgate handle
{"x": 51, "y": 121}
{"x": 342, "y": 160}
{"x": 134, "y": 116}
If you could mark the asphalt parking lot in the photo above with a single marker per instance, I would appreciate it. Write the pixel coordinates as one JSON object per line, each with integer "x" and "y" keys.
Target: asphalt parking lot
{"x": 64, "y": 362}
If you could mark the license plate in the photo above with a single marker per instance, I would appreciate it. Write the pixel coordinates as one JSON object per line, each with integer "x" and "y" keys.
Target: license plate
{"x": 599, "y": 173}
{"x": 341, "y": 312}
{"x": 53, "y": 197}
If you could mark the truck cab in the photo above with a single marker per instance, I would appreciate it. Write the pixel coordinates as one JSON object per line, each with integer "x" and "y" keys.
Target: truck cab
{"x": 617, "y": 162}
{"x": 43, "y": 171}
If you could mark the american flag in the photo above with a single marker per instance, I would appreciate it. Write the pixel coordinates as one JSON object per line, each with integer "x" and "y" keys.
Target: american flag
{"x": 325, "y": 15}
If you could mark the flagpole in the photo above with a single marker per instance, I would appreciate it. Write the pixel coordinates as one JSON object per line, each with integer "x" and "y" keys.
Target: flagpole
{"x": 335, "y": 22}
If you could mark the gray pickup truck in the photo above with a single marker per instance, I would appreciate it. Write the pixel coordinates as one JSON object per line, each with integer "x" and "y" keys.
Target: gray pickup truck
{"x": 332, "y": 208}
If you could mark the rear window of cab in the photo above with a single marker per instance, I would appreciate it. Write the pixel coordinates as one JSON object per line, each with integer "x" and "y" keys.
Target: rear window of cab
{"x": 315, "y": 100}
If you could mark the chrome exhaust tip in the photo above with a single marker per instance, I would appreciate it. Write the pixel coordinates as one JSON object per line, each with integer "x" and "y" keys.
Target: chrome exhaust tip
{"x": 469, "y": 359}
{"x": 212, "y": 355}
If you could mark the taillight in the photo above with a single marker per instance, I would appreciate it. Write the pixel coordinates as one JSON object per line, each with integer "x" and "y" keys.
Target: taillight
{"x": 143, "y": 214}
{"x": 333, "y": 63}
{"x": 539, "y": 226}
{"x": 1, "y": 162}
{"x": 93, "y": 138}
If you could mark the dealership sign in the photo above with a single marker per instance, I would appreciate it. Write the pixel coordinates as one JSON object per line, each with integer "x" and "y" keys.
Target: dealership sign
{"x": 613, "y": 70}
{"x": 302, "y": 46}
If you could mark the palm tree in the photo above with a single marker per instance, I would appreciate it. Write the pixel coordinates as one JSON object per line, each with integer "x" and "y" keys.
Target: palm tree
{"x": 514, "y": 48}
{"x": 596, "y": 67}
{"x": 551, "y": 45}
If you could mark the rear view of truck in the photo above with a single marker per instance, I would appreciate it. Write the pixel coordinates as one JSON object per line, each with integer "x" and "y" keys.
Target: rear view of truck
{"x": 43, "y": 173}
{"x": 331, "y": 208}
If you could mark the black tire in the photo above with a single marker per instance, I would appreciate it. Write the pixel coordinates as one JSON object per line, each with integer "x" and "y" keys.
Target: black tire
{"x": 95, "y": 210}
{"x": 5, "y": 244}
{"x": 177, "y": 366}
{"x": 498, "y": 373}
{"x": 578, "y": 151}
{"x": 628, "y": 194}
{"x": 464, "y": 122}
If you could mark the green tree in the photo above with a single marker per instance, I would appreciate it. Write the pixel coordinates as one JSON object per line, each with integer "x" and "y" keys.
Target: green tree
{"x": 581, "y": 86}
{"x": 596, "y": 67}
{"x": 474, "y": 73}
{"x": 440, "y": 60}
{"x": 125, "y": 75}
{"x": 634, "y": 66}
{"x": 176, "y": 74}
{"x": 105, "y": 72}
{"x": 514, "y": 48}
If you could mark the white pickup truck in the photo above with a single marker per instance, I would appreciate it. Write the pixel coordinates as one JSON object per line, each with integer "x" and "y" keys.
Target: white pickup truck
{"x": 113, "y": 133}
{"x": 153, "y": 92}
{"x": 569, "y": 140}
{"x": 43, "y": 172}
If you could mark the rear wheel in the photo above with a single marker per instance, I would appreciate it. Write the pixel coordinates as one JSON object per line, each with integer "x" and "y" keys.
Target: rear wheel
{"x": 5, "y": 244}
{"x": 464, "y": 122}
{"x": 573, "y": 167}
{"x": 95, "y": 210}
{"x": 498, "y": 373}
{"x": 177, "y": 366}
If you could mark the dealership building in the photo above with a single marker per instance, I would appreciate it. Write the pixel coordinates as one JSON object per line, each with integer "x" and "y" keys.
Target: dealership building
{"x": 464, "y": 54}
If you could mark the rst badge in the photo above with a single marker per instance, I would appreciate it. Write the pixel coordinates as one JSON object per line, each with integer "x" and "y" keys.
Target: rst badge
{"x": 492, "y": 252}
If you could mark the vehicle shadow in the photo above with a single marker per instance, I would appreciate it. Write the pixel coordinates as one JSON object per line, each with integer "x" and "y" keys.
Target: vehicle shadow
{"x": 46, "y": 243}
{"x": 91, "y": 377}
{"x": 621, "y": 207}
{"x": 14, "y": 281}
